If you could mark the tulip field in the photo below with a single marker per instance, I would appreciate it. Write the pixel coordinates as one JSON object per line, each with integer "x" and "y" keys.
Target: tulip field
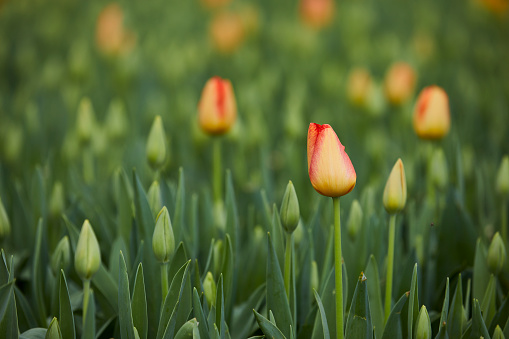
{"x": 222, "y": 169}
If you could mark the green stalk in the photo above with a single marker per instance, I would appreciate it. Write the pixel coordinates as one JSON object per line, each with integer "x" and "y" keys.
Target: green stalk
{"x": 86, "y": 295}
{"x": 390, "y": 266}
{"x": 338, "y": 269}
{"x": 288, "y": 262}
{"x": 216, "y": 170}
{"x": 504, "y": 220}
{"x": 164, "y": 280}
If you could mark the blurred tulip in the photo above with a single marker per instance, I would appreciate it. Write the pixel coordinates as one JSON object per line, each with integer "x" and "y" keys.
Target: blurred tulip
{"x": 85, "y": 121}
{"x": 87, "y": 257}
{"x": 423, "y": 325}
{"x": 111, "y": 36}
{"x": 61, "y": 257}
{"x": 217, "y": 109}
{"x": 163, "y": 239}
{"x": 499, "y": 7}
{"x": 359, "y": 86}
{"x": 156, "y": 144}
{"x": 317, "y": 13}
{"x": 57, "y": 200}
{"x": 154, "y": 198}
{"x": 227, "y": 32}
{"x": 395, "y": 189}
{"x": 431, "y": 113}
{"x": 438, "y": 169}
{"x": 212, "y": 4}
{"x": 290, "y": 213}
{"x": 117, "y": 124}
{"x": 354, "y": 222}
{"x": 502, "y": 184}
{"x": 400, "y": 82}
{"x": 496, "y": 254}
{"x": 330, "y": 170}
{"x": 209, "y": 289}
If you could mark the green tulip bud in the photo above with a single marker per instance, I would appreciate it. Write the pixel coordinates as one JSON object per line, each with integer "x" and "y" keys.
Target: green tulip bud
{"x": 154, "y": 198}
{"x": 395, "y": 189}
{"x": 87, "y": 258}
{"x": 189, "y": 330}
{"x": 61, "y": 258}
{"x": 209, "y": 289}
{"x": 502, "y": 185}
{"x": 498, "y": 333}
{"x": 156, "y": 144}
{"x": 423, "y": 328}
{"x": 116, "y": 120}
{"x": 13, "y": 144}
{"x": 496, "y": 254}
{"x": 85, "y": 120}
{"x": 163, "y": 241}
{"x": 354, "y": 223}
{"x": 53, "y": 331}
{"x": 56, "y": 202}
{"x": 5, "y": 225}
{"x": 218, "y": 255}
{"x": 438, "y": 169}
{"x": 315, "y": 280}
{"x": 290, "y": 214}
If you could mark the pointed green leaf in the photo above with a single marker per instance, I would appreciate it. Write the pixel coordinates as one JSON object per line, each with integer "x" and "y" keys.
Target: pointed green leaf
{"x": 37, "y": 277}
{"x": 478, "y": 328}
{"x": 481, "y": 273}
{"x": 375, "y": 297}
{"x": 278, "y": 236}
{"x": 139, "y": 304}
{"x": 455, "y": 321}
{"x": 358, "y": 324}
{"x": 323, "y": 316}
{"x": 269, "y": 329}
{"x": 125, "y": 317}
{"x": 178, "y": 216}
{"x": 200, "y": 316}
{"x": 187, "y": 331}
{"x": 89, "y": 325}
{"x": 488, "y": 306}
{"x": 65, "y": 313}
{"x": 442, "y": 332}
{"x": 413, "y": 303}
{"x": 393, "y": 327}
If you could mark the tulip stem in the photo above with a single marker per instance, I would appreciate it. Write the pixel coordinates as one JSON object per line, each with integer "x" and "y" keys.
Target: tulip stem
{"x": 504, "y": 220}
{"x": 288, "y": 262}
{"x": 338, "y": 258}
{"x": 86, "y": 294}
{"x": 390, "y": 266}
{"x": 216, "y": 168}
{"x": 164, "y": 280}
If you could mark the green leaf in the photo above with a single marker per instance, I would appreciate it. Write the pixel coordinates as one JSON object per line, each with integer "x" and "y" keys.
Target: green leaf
{"x": 8, "y": 316}
{"x": 188, "y": 330}
{"x": 375, "y": 297}
{"x": 269, "y": 329}
{"x": 413, "y": 303}
{"x": 358, "y": 324}
{"x": 65, "y": 313}
{"x": 501, "y": 316}
{"x": 139, "y": 304}
{"x": 200, "y": 316}
{"x": 393, "y": 327}
{"x": 34, "y": 333}
{"x": 144, "y": 218}
{"x": 125, "y": 317}
{"x": 124, "y": 207}
{"x": 488, "y": 306}
{"x": 277, "y": 302}
{"x": 243, "y": 321}
{"x": 104, "y": 283}
{"x": 180, "y": 203}
{"x": 178, "y": 260}
{"x": 323, "y": 316}
{"x": 329, "y": 306}
{"x": 442, "y": 332}
{"x": 232, "y": 217}
{"x": 455, "y": 319}
{"x": 89, "y": 325}
{"x": 277, "y": 233}
{"x": 25, "y": 310}
{"x": 478, "y": 328}
{"x": 37, "y": 278}
{"x": 227, "y": 270}
{"x": 220, "y": 317}
{"x": 481, "y": 273}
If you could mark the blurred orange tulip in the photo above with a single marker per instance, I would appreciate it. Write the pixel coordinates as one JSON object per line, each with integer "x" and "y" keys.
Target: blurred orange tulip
{"x": 330, "y": 170}
{"x": 399, "y": 83}
{"x": 359, "y": 86}
{"x": 227, "y": 32}
{"x": 212, "y": 4}
{"x": 317, "y": 13}
{"x": 111, "y": 36}
{"x": 431, "y": 113}
{"x": 217, "y": 109}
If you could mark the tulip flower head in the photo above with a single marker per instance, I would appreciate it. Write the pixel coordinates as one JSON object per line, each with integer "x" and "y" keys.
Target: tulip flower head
{"x": 399, "y": 83}
{"x": 395, "y": 189}
{"x": 112, "y": 37}
{"x": 227, "y": 32}
{"x": 431, "y": 113}
{"x": 330, "y": 170}
{"x": 316, "y": 13}
{"x": 87, "y": 257}
{"x": 359, "y": 86}
{"x": 217, "y": 109}
{"x": 502, "y": 183}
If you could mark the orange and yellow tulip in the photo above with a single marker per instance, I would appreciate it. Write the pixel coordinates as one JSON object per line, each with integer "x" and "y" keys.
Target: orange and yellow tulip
{"x": 227, "y": 32}
{"x": 217, "y": 109}
{"x": 112, "y": 37}
{"x": 399, "y": 83}
{"x": 330, "y": 170}
{"x": 431, "y": 113}
{"x": 395, "y": 189}
{"x": 316, "y": 13}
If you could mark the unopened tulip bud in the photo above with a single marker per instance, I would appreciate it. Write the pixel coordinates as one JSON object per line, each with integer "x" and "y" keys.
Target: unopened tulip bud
{"x": 496, "y": 254}
{"x": 438, "y": 169}
{"x": 156, "y": 144}
{"x": 56, "y": 202}
{"x": 399, "y": 83}
{"x": 395, "y": 189}
{"x": 61, "y": 258}
{"x": 217, "y": 109}
{"x": 330, "y": 170}
{"x": 154, "y": 198}
{"x": 431, "y": 113}
{"x": 218, "y": 255}
{"x": 316, "y": 13}
{"x": 498, "y": 334}
{"x": 87, "y": 258}
{"x": 502, "y": 184}
{"x": 85, "y": 121}
{"x": 290, "y": 213}
{"x": 359, "y": 86}
{"x": 315, "y": 280}
{"x": 53, "y": 331}
{"x": 227, "y": 32}
{"x": 423, "y": 327}
{"x": 354, "y": 223}
{"x": 5, "y": 225}
{"x": 163, "y": 240}
{"x": 209, "y": 289}
{"x": 116, "y": 120}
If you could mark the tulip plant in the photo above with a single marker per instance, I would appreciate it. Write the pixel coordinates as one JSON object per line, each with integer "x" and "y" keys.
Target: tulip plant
{"x": 153, "y": 180}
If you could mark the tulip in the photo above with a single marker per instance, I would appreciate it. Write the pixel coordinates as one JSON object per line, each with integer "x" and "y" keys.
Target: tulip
{"x": 496, "y": 254}
{"x": 227, "y": 32}
{"x": 332, "y": 174}
{"x": 111, "y": 36}
{"x": 354, "y": 223}
{"x": 54, "y": 331}
{"x": 117, "y": 124}
{"x": 209, "y": 289}
{"x": 217, "y": 109}
{"x": 316, "y": 13}
{"x": 61, "y": 258}
{"x": 212, "y": 4}
{"x": 359, "y": 86}
{"x": 156, "y": 144}
{"x": 502, "y": 183}
{"x": 290, "y": 213}
{"x": 399, "y": 83}
{"x": 163, "y": 245}
{"x": 438, "y": 169}
{"x": 431, "y": 113}
{"x": 57, "y": 200}
{"x": 395, "y": 189}
{"x": 154, "y": 198}
{"x": 330, "y": 170}
{"x": 423, "y": 325}
{"x": 85, "y": 120}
